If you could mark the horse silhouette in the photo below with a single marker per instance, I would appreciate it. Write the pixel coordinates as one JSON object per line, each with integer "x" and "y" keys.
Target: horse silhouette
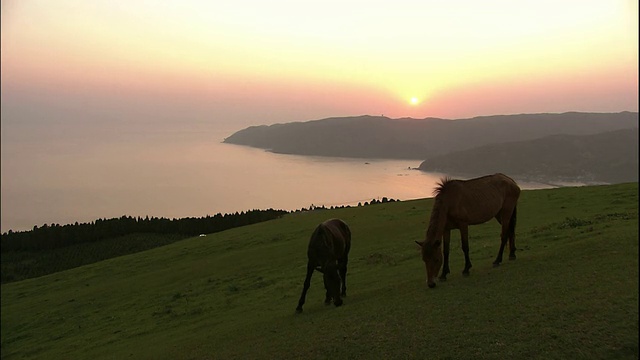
{"x": 328, "y": 252}
{"x": 460, "y": 203}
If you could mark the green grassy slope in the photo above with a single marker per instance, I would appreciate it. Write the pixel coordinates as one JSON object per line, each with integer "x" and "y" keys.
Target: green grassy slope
{"x": 573, "y": 292}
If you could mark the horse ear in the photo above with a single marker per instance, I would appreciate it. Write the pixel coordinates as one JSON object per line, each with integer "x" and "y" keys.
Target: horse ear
{"x": 419, "y": 243}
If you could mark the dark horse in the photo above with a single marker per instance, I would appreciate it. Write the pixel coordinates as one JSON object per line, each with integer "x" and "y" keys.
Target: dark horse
{"x": 460, "y": 203}
{"x": 328, "y": 253}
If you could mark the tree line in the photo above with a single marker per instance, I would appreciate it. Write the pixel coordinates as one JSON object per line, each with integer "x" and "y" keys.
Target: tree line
{"x": 54, "y": 236}
{"x": 52, "y": 248}
{"x": 47, "y": 237}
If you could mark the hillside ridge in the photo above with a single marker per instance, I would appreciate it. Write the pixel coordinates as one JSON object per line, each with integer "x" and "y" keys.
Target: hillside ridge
{"x": 419, "y": 139}
{"x": 610, "y": 157}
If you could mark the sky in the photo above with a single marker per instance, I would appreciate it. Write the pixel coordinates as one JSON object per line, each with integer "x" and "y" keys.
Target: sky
{"x": 100, "y": 94}
{"x": 245, "y": 62}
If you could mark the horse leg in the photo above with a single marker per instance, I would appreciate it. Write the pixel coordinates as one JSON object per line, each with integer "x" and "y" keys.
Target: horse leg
{"x": 512, "y": 247}
{"x": 503, "y": 242}
{"x": 307, "y": 283}
{"x": 446, "y": 241}
{"x": 343, "y": 277}
{"x": 504, "y": 220}
{"x": 464, "y": 235}
{"x": 327, "y": 297}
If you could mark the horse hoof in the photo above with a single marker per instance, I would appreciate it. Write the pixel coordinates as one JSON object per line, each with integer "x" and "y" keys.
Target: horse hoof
{"x": 299, "y": 311}
{"x": 465, "y": 273}
{"x": 338, "y": 303}
{"x": 496, "y": 264}
{"x": 512, "y": 257}
{"x": 432, "y": 285}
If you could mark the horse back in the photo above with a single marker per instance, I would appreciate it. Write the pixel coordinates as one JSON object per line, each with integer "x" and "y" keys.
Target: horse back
{"x": 332, "y": 238}
{"x": 339, "y": 235}
{"x": 476, "y": 201}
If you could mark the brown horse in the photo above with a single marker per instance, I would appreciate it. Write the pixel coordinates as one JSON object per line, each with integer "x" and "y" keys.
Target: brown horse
{"x": 460, "y": 203}
{"x": 328, "y": 253}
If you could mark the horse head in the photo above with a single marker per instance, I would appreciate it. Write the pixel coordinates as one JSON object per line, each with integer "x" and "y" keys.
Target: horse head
{"x": 332, "y": 282}
{"x": 432, "y": 257}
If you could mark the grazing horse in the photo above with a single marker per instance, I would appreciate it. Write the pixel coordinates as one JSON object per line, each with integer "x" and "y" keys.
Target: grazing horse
{"x": 328, "y": 253}
{"x": 460, "y": 203}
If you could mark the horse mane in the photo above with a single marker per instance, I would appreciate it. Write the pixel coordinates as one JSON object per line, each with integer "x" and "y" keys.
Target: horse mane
{"x": 439, "y": 211}
{"x": 437, "y": 222}
{"x": 441, "y": 185}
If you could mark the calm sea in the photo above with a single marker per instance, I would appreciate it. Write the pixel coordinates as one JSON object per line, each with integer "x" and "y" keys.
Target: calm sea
{"x": 177, "y": 174}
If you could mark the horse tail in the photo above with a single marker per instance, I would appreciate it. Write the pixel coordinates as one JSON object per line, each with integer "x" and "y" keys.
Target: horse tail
{"x": 323, "y": 236}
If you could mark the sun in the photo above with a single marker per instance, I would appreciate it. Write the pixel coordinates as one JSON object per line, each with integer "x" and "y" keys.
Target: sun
{"x": 414, "y": 101}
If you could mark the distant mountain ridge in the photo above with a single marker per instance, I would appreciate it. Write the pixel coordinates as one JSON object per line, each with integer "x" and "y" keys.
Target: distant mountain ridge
{"x": 610, "y": 157}
{"x": 406, "y": 138}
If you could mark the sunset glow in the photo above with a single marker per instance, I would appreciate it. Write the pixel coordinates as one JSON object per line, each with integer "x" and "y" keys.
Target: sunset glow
{"x": 204, "y": 49}
{"x": 97, "y": 97}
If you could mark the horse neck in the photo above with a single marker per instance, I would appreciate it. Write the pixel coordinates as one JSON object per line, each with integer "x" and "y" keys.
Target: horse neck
{"x": 437, "y": 222}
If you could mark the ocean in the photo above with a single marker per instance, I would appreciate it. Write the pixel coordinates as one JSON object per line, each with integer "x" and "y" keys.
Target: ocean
{"x": 184, "y": 173}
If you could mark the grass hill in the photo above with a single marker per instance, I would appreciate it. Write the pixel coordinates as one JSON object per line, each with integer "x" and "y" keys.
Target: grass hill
{"x": 610, "y": 157}
{"x": 572, "y": 293}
